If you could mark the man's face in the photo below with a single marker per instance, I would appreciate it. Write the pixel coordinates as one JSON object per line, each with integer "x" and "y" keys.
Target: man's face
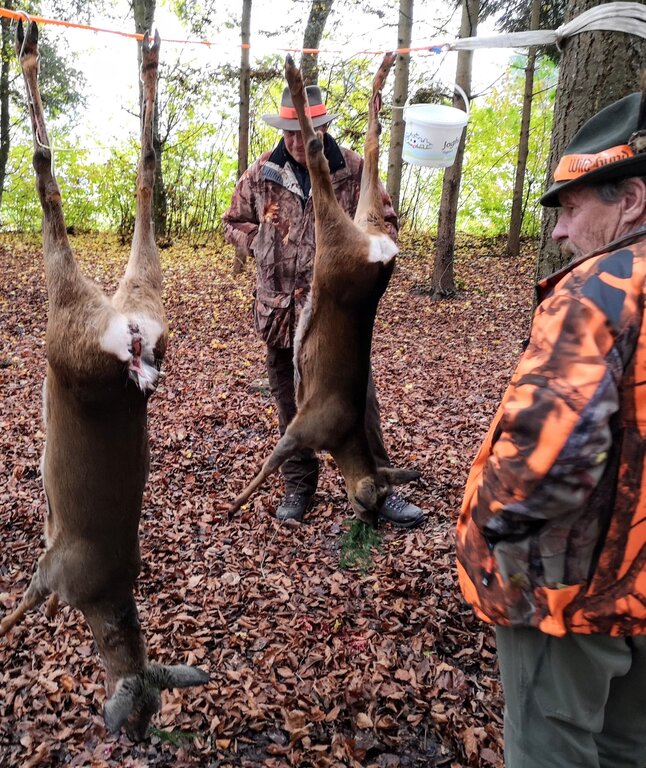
{"x": 295, "y": 145}
{"x": 586, "y": 222}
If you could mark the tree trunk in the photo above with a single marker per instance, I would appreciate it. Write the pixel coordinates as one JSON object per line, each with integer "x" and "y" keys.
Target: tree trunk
{"x": 516, "y": 220}
{"x": 7, "y": 54}
{"x": 404, "y": 36}
{"x": 596, "y": 69}
{"x": 245, "y": 80}
{"x": 319, "y": 11}
{"x": 240, "y": 258}
{"x": 144, "y": 12}
{"x": 442, "y": 282}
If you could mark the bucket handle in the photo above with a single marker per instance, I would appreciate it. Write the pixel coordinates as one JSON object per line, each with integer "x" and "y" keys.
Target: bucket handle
{"x": 459, "y": 90}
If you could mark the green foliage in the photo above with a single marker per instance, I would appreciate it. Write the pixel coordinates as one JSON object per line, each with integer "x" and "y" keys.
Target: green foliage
{"x": 116, "y": 193}
{"x": 97, "y": 195}
{"x": 357, "y": 544}
{"x": 490, "y": 161}
{"x": 20, "y": 207}
{"x": 492, "y": 151}
{"x": 349, "y": 86}
{"x": 200, "y": 173}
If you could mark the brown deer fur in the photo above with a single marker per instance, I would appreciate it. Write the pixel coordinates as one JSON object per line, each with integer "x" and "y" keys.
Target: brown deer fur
{"x": 103, "y": 359}
{"x": 353, "y": 264}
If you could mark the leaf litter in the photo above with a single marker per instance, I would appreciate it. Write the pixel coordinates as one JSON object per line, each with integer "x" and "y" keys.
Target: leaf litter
{"x": 322, "y": 651}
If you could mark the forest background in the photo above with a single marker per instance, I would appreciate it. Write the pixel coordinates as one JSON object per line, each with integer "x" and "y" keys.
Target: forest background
{"x": 93, "y": 106}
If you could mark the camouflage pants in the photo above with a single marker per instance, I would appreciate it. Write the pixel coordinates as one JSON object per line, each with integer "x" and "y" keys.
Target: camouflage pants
{"x": 301, "y": 472}
{"x": 573, "y": 701}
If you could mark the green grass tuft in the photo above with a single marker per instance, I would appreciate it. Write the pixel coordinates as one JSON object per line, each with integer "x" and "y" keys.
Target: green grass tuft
{"x": 176, "y": 738}
{"x": 357, "y": 544}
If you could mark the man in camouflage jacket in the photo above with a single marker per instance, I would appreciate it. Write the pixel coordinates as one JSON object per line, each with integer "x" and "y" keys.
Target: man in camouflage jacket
{"x": 272, "y": 218}
{"x": 551, "y": 539}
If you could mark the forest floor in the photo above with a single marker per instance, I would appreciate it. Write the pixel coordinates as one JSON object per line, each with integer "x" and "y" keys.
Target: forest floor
{"x": 314, "y": 660}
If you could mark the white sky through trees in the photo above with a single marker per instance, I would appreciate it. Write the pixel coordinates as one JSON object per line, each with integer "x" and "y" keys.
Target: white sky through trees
{"x": 109, "y": 61}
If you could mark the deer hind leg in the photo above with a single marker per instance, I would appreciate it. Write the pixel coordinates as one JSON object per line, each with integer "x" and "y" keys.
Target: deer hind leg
{"x": 287, "y": 446}
{"x": 369, "y": 215}
{"x": 36, "y": 593}
{"x": 63, "y": 277}
{"x": 319, "y": 170}
{"x": 139, "y": 296}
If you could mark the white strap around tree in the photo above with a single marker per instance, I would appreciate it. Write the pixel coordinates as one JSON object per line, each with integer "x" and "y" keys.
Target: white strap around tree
{"x": 611, "y": 17}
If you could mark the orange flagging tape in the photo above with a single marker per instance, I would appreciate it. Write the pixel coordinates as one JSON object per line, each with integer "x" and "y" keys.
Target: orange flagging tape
{"x": 17, "y": 16}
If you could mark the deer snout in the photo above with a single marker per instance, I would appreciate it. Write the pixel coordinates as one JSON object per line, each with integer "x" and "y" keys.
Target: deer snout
{"x": 365, "y": 499}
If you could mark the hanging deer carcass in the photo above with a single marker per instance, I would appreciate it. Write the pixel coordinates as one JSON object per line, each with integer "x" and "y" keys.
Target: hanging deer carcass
{"x": 353, "y": 264}
{"x": 103, "y": 359}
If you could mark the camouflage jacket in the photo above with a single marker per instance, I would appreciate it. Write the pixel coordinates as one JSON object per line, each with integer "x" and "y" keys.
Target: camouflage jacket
{"x": 552, "y": 532}
{"x": 272, "y": 217}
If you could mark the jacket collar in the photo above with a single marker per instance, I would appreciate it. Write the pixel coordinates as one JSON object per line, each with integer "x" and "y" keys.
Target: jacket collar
{"x": 332, "y": 151}
{"x": 544, "y": 286}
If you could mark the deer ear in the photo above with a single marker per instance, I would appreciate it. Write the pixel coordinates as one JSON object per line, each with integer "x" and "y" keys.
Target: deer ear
{"x": 177, "y": 676}
{"x": 118, "y": 707}
{"x": 395, "y": 476}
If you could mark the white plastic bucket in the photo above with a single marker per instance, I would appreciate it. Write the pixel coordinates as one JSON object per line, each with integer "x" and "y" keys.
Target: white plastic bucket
{"x": 433, "y": 132}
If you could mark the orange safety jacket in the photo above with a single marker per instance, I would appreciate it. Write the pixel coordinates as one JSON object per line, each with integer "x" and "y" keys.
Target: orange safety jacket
{"x": 552, "y": 531}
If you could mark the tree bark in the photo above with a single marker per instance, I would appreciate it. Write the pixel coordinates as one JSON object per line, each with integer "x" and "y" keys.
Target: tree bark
{"x": 596, "y": 69}
{"x": 442, "y": 281}
{"x": 144, "y": 12}
{"x": 516, "y": 219}
{"x": 397, "y": 127}
{"x": 240, "y": 258}
{"x": 319, "y": 11}
{"x": 245, "y": 80}
{"x": 7, "y": 54}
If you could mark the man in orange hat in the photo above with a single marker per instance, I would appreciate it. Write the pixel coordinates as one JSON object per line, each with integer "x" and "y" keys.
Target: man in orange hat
{"x": 551, "y": 539}
{"x": 272, "y": 218}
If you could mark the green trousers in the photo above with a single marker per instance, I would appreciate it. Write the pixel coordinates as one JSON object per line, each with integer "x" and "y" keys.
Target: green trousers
{"x": 577, "y": 701}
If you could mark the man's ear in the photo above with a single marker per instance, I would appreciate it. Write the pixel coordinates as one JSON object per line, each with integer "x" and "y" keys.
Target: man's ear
{"x": 634, "y": 201}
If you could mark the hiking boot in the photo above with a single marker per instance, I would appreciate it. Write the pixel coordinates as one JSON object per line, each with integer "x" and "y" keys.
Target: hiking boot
{"x": 400, "y": 512}
{"x": 293, "y": 506}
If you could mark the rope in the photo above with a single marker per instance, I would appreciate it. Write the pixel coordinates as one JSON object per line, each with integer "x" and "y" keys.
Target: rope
{"x": 610, "y": 17}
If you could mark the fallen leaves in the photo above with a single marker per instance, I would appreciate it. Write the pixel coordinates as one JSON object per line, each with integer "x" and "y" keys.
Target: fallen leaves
{"x": 380, "y": 665}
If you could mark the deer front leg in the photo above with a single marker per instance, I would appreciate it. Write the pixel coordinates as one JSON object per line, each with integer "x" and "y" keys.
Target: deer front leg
{"x": 137, "y": 697}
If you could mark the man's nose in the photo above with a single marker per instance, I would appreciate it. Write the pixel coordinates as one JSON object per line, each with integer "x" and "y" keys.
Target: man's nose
{"x": 560, "y": 231}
